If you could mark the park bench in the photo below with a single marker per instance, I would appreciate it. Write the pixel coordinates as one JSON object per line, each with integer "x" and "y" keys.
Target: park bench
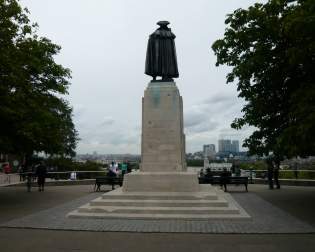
{"x": 228, "y": 180}
{"x": 107, "y": 180}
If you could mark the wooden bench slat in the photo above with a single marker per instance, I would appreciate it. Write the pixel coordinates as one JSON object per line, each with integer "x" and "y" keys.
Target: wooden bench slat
{"x": 225, "y": 180}
{"x": 107, "y": 181}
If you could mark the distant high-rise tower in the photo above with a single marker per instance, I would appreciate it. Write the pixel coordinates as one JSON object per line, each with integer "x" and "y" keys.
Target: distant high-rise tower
{"x": 209, "y": 151}
{"x": 235, "y": 146}
{"x": 226, "y": 145}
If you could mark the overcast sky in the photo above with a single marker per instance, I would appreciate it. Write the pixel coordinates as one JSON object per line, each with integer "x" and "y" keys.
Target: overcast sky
{"x": 104, "y": 44}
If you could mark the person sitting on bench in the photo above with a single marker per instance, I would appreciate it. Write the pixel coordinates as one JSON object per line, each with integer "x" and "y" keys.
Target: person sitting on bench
{"x": 112, "y": 172}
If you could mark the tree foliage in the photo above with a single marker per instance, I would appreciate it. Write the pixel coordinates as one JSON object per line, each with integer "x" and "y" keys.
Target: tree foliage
{"x": 271, "y": 49}
{"x": 34, "y": 114}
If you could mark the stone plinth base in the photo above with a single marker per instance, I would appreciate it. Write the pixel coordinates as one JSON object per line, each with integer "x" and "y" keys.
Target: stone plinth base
{"x": 161, "y": 182}
{"x": 163, "y": 139}
{"x": 204, "y": 205}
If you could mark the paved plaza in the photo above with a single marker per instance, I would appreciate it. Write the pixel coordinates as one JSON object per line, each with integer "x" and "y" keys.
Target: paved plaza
{"x": 282, "y": 220}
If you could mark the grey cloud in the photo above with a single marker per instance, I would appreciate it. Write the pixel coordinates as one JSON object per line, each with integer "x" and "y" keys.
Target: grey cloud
{"x": 193, "y": 118}
{"x": 223, "y": 102}
{"x": 219, "y": 98}
{"x": 107, "y": 121}
{"x": 203, "y": 127}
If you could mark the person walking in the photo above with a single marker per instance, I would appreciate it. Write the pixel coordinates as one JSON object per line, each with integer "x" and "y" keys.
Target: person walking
{"x": 276, "y": 174}
{"x": 270, "y": 172}
{"x": 41, "y": 171}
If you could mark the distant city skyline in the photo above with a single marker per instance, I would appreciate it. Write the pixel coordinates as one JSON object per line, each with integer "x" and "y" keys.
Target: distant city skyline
{"x": 206, "y": 149}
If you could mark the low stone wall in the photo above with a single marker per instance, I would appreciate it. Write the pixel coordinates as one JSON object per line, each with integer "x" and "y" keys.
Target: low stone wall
{"x": 289, "y": 182}
{"x": 60, "y": 183}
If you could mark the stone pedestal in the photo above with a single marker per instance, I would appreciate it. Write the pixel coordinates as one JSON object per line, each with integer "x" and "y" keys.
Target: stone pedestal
{"x": 163, "y": 139}
{"x": 163, "y": 166}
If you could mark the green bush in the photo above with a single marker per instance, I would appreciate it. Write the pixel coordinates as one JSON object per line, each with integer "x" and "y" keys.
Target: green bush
{"x": 194, "y": 162}
{"x": 301, "y": 174}
{"x": 67, "y": 164}
{"x": 258, "y": 165}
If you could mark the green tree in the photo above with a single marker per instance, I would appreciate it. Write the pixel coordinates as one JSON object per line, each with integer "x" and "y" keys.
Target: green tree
{"x": 271, "y": 51}
{"x": 34, "y": 114}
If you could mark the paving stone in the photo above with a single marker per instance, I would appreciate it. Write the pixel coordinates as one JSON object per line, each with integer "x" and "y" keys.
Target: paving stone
{"x": 266, "y": 218}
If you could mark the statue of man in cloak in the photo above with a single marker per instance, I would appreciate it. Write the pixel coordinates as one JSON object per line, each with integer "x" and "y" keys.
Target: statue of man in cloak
{"x": 161, "y": 54}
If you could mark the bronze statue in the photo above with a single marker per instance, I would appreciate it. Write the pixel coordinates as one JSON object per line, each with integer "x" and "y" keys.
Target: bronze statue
{"x": 161, "y": 54}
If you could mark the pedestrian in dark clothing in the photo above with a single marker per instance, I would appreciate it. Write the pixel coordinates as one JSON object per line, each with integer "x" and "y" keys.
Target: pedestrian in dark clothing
{"x": 24, "y": 171}
{"x": 29, "y": 176}
{"x": 128, "y": 167}
{"x": 41, "y": 176}
{"x": 224, "y": 178}
{"x": 233, "y": 168}
{"x": 276, "y": 174}
{"x": 296, "y": 170}
{"x": 270, "y": 172}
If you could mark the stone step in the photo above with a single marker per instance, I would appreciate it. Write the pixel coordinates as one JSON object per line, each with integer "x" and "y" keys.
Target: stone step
{"x": 76, "y": 214}
{"x": 157, "y": 202}
{"x": 157, "y": 210}
{"x": 159, "y": 196}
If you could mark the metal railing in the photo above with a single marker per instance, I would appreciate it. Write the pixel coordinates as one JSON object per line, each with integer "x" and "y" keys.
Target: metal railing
{"x": 12, "y": 178}
{"x": 285, "y": 174}
{"x": 6, "y": 179}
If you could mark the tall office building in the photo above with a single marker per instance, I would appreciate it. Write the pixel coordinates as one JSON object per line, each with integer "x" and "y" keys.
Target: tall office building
{"x": 209, "y": 150}
{"x": 226, "y": 145}
{"x": 235, "y": 146}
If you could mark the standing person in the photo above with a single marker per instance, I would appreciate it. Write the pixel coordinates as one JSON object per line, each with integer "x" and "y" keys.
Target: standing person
{"x": 6, "y": 170}
{"x": 24, "y": 171}
{"x": 296, "y": 170}
{"x": 123, "y": 169}
{"x": 41, "y": 175}
{"x": 128, "y": 167}
{"x": 270, "y": 172}
{"x": 276, "y": 173}
{"x": 233, "y": 168}
{"x": 112, "y": 173}
{"x": 251, "y": 175}
{"x": 29, "y": 180}
{"x": 224, "y": 178}
{"x": 20, "y": 171}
